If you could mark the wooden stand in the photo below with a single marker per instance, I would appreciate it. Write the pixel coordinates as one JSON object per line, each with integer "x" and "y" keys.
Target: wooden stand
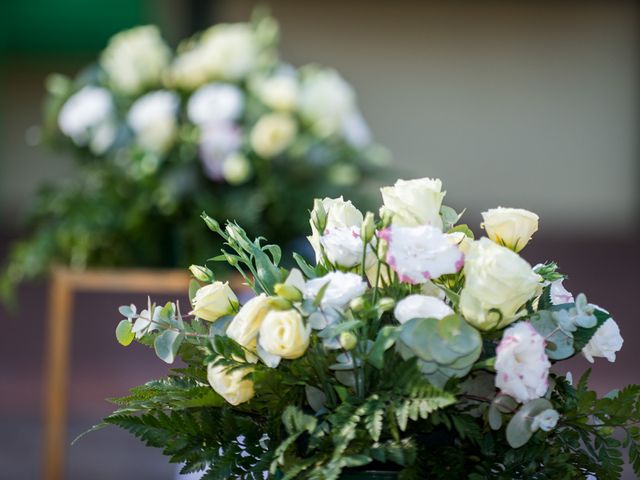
{"x": 65, "y": 284}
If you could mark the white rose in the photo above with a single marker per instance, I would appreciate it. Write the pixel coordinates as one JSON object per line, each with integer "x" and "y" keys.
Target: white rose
{"x": 272, "y": 134}
{"x": 283, "y": 333}
{"x": 217, "y": 142}
{"x": 340, "y": 214}
{"x": 245, "y": 325}
{"x": 421, "y": 306}
{"x": 135, "y": 59}
{"x": 325, "y": 100}
{"x": 279, "y": 92}
{"x": 216, "y": 102}
{"x": 559, "y": 294}
{"x": 511, "y": 227}
{"x": 214, "y": 301}
{"x": 414, "y": 202}
{"x": 343, "y": 287}
{"x": 231, "y": 385}
{"x": 606, "y": 342}
{"x": 236, "y": 168}
{"x": 419, "y": 254}
{"x": 522, "y": 366}
{"x": 232, "y": 50}
{"x": 497, "y": 283}
{"x": 153, "y": 119}
{"x": 343, "y": 247}
{"x": 84, "y": 113}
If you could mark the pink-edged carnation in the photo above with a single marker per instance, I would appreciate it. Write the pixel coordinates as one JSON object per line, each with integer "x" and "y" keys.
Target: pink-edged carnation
{"x": 522, "y": 366}
{"x": 419, "y": 254}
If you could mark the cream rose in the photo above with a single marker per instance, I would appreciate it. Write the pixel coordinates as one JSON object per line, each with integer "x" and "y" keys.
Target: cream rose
{"x": 279, "y": 92}
{"x": 460, "y": 240}
{"x": 245, "y": 325}
{"x": 511, "y": 227}
{"x": 272, "y": 134}
{"x": 414, "y": 202}
{"x": 284, "y": 334}
{"x": 214, "y": 301}
{"x": 497, "y": 283}
{"x": 231, "y": 385}
{"x": 135, "y": 59}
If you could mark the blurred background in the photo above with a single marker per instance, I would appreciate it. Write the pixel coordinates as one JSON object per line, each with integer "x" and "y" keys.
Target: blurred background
{"x": 522, "y": 103}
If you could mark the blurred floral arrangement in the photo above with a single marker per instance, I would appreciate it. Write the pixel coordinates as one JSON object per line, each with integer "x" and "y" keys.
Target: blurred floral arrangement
{"x": 408, "y": 347}
{"x": 221, "y": 124}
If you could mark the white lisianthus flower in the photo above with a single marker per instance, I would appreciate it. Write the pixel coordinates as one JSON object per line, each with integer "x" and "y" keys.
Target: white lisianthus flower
{"x": 343, "y": 287}
{"x": 217, "y": 142}
{"x": 153, "y": 119}
{"x": 461, "y": 240}
{"x": 231, "y": 384}
{"x": 246, "y": 324}
{"x": 135, "y": 59}
{"x": 86, "y": 112}
{"x": 272, "y": 134}
{"x": 214, "y": 301}
{"x": 511, "y": 227}
{"x": 522, "y": 366}
{"x": 355, "y": 130}
{"x": 279, "y": 91}
{"x": 343, "y": 247}
{"x": 421, "y": 306}
{"x": 498, "y": 282}
{"x": 414, "y": 202}
{"x": 284, "y": 334}
{"x": 236, "y": 168}
{"x": 559, "y": 294}
{"x": 420, "y": 254}
{"x": 606, "y": 342}
{"x": 325, "y": 100}
{"x": 216, "y": 102}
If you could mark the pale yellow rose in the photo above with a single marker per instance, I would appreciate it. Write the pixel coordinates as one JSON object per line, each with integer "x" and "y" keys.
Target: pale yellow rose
{"x": 460, "y": 239}
{"x": 231, "y": 385}
{"x": 414, "y": 202}
{"x": 283, "y": 333}
{"x": 214, "y": 301}
{"x": 272, "y": 134}
{"x": 511, "y": 227}
{"x": 498, "y": 282}
{"x": 245, "y": 325}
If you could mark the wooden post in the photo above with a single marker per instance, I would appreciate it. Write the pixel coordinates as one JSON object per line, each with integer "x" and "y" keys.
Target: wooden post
{"x": 64, "y": 285}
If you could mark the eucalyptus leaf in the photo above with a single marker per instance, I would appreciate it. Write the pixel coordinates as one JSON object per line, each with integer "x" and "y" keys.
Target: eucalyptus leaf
{"x": 167, "y": 344}
{"x": 124, "y": 334}
{"x": 494, "y": 417}
{"x": 519, "y": 429}
{"x": 384, "y": 340}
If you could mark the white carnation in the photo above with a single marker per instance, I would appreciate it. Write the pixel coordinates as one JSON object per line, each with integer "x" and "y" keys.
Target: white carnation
{"x": 343, "y": 287}
{"x": 85, "y": 113}
{"x": 216, "y": 102}
{"x": 419, "y": 254}
{"x": 522, "y": 366}
{"x": 421, "y": 306}
{"x": 606, "y": 342}
{"x": 153, "y": 119}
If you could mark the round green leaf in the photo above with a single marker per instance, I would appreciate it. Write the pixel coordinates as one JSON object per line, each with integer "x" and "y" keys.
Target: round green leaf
{"x": 124, "y": 334}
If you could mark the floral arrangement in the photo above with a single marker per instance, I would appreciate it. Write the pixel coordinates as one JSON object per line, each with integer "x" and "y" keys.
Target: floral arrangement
{"x": 221, "y": 124}
{"x": 409, "y": 347}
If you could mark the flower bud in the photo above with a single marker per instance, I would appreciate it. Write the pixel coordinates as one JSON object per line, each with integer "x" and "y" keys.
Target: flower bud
{"x": 279, "y": 303}
{"x": 348, "y": 340}
{"x": 357, "y": 304}
{"x": 214, "y": 301}
{"x": 288, "y": 292}
{"x": 211, "y": 223}
{"x": 368, "y": 227}
{"x": 386, "y": 303}
{"x": 201, "y": 273}
{"x": 319, "y": 215}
